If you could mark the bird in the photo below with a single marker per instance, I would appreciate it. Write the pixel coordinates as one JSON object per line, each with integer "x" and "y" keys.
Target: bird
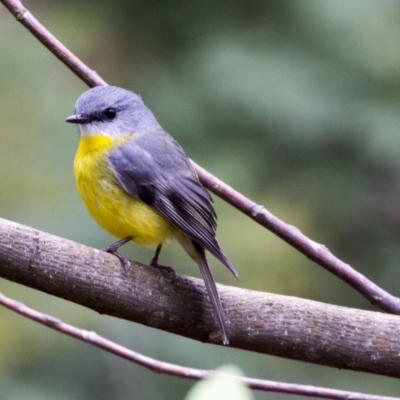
{"x": 138, "y": 184}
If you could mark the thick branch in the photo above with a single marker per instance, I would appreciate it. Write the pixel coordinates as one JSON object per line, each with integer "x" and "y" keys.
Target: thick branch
{"x": 279, "y": 325}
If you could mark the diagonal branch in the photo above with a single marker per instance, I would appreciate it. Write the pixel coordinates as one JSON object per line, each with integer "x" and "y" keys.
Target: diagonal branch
{"x": 316, "y": 252}
{"x": 53, "y": 44}
{"x": 172, "y": 369}
{"x": 283, "y": 326}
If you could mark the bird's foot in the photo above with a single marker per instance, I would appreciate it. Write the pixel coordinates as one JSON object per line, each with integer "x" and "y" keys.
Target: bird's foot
{"x": 113, "y": 249}
{"x": 164, "y": 268}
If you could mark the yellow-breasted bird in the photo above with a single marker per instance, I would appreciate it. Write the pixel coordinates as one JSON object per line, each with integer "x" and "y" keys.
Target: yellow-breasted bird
{"x": 139, "y": 185}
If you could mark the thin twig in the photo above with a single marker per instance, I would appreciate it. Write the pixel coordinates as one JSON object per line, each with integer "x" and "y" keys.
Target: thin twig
{"x": 291, "y": 235}
{"x": 173, "y": 369}
{"x": 53, "y": 44}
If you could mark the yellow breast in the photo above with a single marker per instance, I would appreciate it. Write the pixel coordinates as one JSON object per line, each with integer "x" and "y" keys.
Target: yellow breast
{"x": 115, "y": 210}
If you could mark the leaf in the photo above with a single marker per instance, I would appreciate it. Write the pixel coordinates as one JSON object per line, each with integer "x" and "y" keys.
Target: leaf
{"x": 222, "y": 385}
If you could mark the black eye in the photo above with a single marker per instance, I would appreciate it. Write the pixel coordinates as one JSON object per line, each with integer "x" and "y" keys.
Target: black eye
{"x": 110, "y": 113}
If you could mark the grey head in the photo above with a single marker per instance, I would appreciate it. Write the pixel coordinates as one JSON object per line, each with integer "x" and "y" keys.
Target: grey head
{"x": 113, "y": 111}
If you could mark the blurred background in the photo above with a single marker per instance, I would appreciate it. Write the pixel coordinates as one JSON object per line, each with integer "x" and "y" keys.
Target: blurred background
{"x": 294, "y": 103}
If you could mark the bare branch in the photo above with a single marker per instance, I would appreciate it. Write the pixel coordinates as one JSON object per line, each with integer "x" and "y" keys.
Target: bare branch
{"x": 261, "y": 322}
{"x": 291, "y": 235}
{"x": 53, "y": 44}
{"x": 173, "y": 369}
{"x": 316, "y": 252}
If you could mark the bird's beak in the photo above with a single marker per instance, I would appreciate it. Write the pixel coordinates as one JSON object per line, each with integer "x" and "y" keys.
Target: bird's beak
{"x": 77, "y": 119}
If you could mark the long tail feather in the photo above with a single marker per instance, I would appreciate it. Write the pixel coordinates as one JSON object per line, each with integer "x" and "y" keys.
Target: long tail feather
{"x": 212, "y": 291}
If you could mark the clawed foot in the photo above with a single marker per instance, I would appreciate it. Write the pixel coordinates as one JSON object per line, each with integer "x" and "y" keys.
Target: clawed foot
{"x": 164, "y": 268}
{"x": 126, "y": 264}
{"x": 154, "y": 263}
{"x": 113, "y": 249}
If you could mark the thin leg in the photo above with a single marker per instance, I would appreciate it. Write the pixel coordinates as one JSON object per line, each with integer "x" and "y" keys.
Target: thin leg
{"x": 113, "y": 249}
{"x": 154, "y": 262}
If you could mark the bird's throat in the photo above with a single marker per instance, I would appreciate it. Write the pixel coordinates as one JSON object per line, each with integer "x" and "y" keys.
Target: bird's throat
{"x": 92, "y": 143}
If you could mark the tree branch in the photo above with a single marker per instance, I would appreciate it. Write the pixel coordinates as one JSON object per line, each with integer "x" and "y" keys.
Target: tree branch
{"x": 173, "y": 369}
{"x": 291, "y": 235}
{"x": 53, "y": 44}
{"x": 316, "y": 252}
{"x": 261, "y": 322}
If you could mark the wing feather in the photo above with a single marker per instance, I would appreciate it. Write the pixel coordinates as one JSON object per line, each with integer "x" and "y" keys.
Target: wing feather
{"x": 165, "y": 181}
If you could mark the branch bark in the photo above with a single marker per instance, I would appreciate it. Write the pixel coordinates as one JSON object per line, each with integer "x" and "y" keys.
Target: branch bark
{"x": 279, "y": 325}
{"x": 173, "y": 369}
{"x": 53, "y": 44}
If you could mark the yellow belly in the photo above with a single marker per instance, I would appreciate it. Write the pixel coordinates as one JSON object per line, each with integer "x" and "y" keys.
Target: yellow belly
{"x": 116, "y": 211}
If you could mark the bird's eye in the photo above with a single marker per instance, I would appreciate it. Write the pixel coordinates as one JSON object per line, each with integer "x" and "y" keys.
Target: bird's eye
{"x": 110, "y": 113}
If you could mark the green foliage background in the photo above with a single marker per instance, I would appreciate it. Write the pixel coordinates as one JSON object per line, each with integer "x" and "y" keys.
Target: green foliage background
{"x": 294, "y": 103}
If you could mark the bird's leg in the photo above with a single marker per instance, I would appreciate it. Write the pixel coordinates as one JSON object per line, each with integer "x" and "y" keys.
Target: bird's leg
{"x": 113, "y": 249}
{"x": 154, "y": 262}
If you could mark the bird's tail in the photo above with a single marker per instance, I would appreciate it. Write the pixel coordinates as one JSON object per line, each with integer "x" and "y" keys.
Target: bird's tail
{"x": 212, "y": 290}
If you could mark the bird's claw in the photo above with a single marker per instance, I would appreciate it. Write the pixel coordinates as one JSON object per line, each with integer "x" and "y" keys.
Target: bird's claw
{"x": 126, "y": 264}
{"x": 164, "y": 268}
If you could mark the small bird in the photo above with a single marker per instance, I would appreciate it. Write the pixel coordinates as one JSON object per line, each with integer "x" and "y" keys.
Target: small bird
{"x": 139, "y": 185}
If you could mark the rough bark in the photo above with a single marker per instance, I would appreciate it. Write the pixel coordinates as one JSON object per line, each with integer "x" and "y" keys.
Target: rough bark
{"x": 279, "y": 325}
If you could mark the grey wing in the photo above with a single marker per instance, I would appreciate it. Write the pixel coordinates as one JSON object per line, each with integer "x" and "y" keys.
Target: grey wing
{"x": 164, "y": 180}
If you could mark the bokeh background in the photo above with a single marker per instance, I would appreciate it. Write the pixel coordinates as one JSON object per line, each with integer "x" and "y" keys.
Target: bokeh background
{"x": 294, "y": 103}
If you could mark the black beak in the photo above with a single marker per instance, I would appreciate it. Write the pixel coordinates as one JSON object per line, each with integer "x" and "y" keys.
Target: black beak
{"x": 78, "y": 119}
